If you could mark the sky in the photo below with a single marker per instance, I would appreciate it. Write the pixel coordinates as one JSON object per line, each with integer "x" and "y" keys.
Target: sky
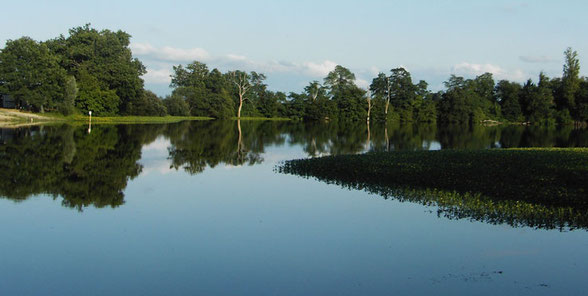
{"x": 295, "y": 42}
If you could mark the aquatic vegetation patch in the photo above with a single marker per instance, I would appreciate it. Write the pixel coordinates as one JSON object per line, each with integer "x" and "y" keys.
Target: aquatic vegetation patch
{"x": 544, "y": 188}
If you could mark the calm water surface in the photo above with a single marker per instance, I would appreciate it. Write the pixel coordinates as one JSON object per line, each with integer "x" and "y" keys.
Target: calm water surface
{"x": 197, "y": 208}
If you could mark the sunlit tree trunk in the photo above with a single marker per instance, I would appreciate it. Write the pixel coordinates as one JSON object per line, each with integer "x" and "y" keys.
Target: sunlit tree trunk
{"x": 388, "y": 98}
{"x": 239, "y": 110}
{"x": 369, "y": 101}
{"x": 241, "y": 80}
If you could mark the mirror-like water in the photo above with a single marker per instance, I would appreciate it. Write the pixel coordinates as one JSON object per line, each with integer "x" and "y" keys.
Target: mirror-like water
{"x": 197, "y": 208}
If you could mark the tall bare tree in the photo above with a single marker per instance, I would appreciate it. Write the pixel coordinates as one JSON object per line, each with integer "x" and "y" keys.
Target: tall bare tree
{"x": 243, "y": 82}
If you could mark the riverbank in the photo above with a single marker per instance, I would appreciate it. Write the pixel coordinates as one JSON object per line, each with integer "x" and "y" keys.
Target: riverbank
{"x": 15, "y": 118}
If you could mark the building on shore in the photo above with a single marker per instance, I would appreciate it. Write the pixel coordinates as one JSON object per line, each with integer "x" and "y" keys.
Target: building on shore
{"x": 7, "y": 101}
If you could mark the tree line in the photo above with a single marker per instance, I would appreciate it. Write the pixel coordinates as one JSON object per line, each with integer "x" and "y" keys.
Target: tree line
{"x": 91, "y": 70}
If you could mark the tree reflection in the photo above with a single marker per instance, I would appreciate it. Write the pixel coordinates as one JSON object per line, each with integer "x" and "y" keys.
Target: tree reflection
{"x": 85, "y": 169}
{"x": 198, "y": 145}
{"x": 94, "y": 169}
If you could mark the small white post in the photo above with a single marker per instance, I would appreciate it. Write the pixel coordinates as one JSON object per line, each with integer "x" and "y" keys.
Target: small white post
{"x": 90, "y": 122}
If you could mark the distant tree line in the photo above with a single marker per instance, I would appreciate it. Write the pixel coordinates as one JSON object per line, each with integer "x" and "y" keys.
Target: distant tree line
{"x": 92, "y": 70}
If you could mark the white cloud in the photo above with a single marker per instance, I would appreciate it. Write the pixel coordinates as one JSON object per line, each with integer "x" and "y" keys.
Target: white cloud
{"x": 161, "y": 166}
{"x": 320, "y": 69}
{"x": 477, "y": 69}
{"x": 154, "y": 158}
{"x": 170, "y": 54}
{"x": 537, "y": 59}
{"x": 159, "y": 145}
{"x": 362, "y": 83}
{"x": 235, "y": 57}
{"x": 158, "y": 76}
{"x": 469, "y": 69}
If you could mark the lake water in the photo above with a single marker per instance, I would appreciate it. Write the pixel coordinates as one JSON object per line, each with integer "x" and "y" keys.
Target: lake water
{"x": 198, "y": 208}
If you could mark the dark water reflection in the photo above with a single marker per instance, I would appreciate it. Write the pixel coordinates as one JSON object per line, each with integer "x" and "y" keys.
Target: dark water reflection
{"x": 94, "y": 168}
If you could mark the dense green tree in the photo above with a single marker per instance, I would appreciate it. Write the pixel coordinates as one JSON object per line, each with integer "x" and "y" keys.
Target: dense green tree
{"x": 151, "y": 105}
{"x": 570, "y": 80}
{"x": 537, "y": 101}
{"x": 106, "y": 56}
{"x": 339, "y": 80}
{"x": 296, "y": 106}
{"x": 176, "y": 106}
{"x": 93, "y": 98}
{"x": 204, "y": 91}
{"x": 403, "y": 91}
{"x": 194, "y": 74}
{"x": 31, "y": 74}
{"x": 454, "y": 106}
{"x": 70, "y": 95}
{"x": 381, "y": 91}
{"x": 487, "y": 100}
{"x": 318, "y": 105}
{"x": 348, "y": 97}
{"x": 582, "y": 101}
{"x": 508, "y": 95}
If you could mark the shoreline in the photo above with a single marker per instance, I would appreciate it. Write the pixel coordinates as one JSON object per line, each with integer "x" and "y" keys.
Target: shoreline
{"x": 11, "y": 118}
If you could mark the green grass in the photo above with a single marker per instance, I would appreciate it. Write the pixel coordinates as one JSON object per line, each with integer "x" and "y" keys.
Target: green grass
{"x": 545, "y": 188}
{"x": 124, "y": 119}
{"x": 262, "y": 118}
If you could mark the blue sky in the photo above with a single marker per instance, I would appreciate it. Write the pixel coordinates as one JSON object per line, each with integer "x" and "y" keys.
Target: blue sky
{"x": 294, "y": 42}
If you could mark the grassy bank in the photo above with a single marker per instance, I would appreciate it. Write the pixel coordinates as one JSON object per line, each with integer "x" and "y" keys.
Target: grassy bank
{"x": 129, "y": 119}
{"x": 535, "y": 187}
{"x": 11, "y": 117}
{"x": 16, "y": 118}
{"x": 262, "y": 119}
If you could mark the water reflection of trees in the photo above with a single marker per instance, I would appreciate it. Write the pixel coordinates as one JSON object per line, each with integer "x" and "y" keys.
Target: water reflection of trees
{"x": 85, "y": 169}
{"x": 198, "y": 145}
{"x": 94, "y": 169}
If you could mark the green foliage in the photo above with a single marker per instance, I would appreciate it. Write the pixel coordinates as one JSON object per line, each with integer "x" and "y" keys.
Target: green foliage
{"x": 31, "y": 74}
{"x": 93, "y": 98}
{"x": 570, "y": 79}
{"x": 151, "y": 105}
{"x": 582, "y": 101}
{"x": 70, "y": 95}
{"x": 339, "y": 79}
{"x": 454, "y": 106}
{"x": 508, "y": 94}
{"x": 538, "y": 102}
{"x": 349, "y": 98}
{"x": 426, "y": 111}
{"x": 205, "y": 92}
{"x": 176, "y": 106}
{"x": 106, "y": 56}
